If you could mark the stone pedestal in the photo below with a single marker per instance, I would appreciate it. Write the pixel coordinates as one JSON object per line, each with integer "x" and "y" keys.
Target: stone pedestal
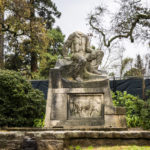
{"x": 85, "y": 103}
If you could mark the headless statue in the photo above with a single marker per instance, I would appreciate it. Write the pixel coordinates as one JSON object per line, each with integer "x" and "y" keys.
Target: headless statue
{"x": 84, "y": 59}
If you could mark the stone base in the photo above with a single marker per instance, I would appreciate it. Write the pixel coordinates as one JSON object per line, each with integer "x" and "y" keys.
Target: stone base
{"x": 60, "y": 140}
{"x": 84, "y": 103}
{"x": 109, "y": 142}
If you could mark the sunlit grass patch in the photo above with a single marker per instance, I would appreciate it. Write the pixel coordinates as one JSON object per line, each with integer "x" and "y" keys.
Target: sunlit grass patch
{"x": 111, "y": 148}
{"x": 122, "y": 148}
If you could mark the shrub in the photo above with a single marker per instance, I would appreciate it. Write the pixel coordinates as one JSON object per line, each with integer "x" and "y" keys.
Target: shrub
{"x": 39, "y": 122}
{"x": 145, "y": 112}
{"x": 137, "y": 110}
{"x": 20, "y": 104}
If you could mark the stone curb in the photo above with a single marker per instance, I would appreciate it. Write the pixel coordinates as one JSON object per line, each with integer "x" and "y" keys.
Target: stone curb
{"x": 75, "y": 134}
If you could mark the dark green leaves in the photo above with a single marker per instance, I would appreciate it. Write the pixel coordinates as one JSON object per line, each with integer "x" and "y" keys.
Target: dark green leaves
{"x": 20, "y": 104}
{"x": 137, "y": 110}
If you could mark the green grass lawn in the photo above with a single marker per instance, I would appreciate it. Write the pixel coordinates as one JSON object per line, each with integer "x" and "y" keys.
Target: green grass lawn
{"x": 123, "y": 148}
{"x": 112, "y": 148}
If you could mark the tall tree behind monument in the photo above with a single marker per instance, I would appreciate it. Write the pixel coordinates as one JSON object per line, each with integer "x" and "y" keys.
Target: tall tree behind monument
{"x": 34, "y": 66}
{"x": 1, "y": 38}
{"x": 44, "y": 10}
{"x": 26, "y": 31}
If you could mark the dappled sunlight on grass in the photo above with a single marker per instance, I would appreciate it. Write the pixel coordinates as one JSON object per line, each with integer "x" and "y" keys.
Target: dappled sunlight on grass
{"x": 122, "y": 148}
{"x": 116, "y": 148}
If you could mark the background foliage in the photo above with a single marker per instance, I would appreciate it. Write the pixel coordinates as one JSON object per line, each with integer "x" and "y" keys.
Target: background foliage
{"x": 26, "y": 30}
{"x": 20, "y": 104}
{"x": 137, "y": 110}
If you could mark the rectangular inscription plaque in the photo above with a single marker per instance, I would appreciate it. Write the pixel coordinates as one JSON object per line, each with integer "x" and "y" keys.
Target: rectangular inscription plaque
{"x": 85, "y": 105}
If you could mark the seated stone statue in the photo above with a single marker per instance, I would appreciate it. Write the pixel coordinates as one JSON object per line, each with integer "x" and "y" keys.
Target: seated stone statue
{"x": 78, "y": 95}
{"x": 80, "y": 59}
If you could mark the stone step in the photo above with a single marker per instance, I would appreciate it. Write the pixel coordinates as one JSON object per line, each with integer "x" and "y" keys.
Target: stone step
{"x": 59, "y": 140}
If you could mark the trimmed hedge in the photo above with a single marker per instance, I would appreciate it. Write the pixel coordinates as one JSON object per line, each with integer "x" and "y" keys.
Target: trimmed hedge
{"x": 20, "y": 104}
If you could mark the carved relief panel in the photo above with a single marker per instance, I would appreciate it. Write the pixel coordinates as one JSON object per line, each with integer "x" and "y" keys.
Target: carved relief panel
{"x": 85, "y": 105}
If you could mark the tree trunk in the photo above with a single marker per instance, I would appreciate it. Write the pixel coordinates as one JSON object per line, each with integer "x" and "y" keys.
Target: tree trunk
{"x": 1, "y": 42}
{"x": 34, "y": 66}
{"x": 143, "y": 88}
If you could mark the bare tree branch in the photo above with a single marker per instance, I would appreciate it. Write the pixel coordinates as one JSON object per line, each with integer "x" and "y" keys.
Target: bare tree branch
{"x": 124, "y": 23}
{"x": 127, "y": 35}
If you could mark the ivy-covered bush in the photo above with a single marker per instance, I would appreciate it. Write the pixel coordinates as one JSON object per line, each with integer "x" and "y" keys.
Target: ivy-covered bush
{"x": 137, "y": 110}
{"x": 20, "y": 104}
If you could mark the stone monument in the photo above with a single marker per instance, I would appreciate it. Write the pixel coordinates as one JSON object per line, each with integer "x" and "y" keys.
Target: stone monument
{"x": 79, "y": 95}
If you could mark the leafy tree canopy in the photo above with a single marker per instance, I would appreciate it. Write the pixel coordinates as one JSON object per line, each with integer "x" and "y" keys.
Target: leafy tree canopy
{"x": 138, "y": 70}
{"x": 25, "y": 28}
{"x": 53, "y": 52}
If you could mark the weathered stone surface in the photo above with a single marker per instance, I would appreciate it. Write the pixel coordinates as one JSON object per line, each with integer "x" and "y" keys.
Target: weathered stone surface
{"x": 29, "y": 144}
{"x": 4, "y": 135}
{"x": 92, "y": 108}
{"x": 106, "y": 142}
{"x": 59, "y": 140}
{"x": 120, "y": 110}
{"x": 10, "y": 144}
{"x": 84, "y": 59}
{"x": 71, "y": 103}
{"x": 61, "y": 101}
{"x": 115, "y": 121}
{"x": 50, "y": 145}
{"x": 78, "y": 94}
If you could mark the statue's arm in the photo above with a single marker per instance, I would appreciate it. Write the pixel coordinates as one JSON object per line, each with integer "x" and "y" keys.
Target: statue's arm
{"x": 88, "y": 48}
{"x": 67, "y": 45}
{"x": 65, "y": 50}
